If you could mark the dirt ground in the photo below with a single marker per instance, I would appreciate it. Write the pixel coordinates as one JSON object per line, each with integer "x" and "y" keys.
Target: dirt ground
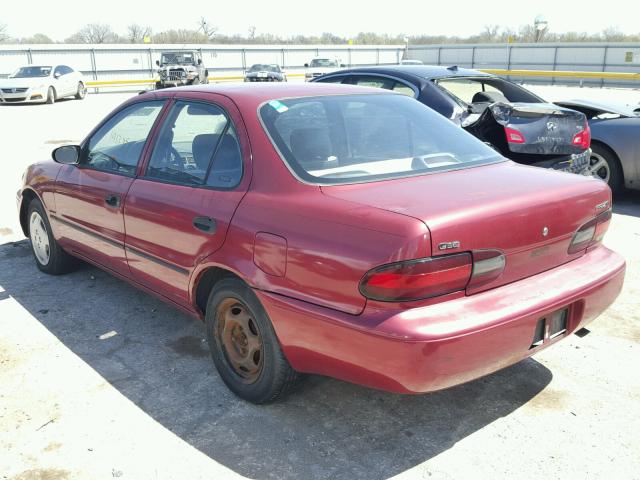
{"x": 101, "y": 381}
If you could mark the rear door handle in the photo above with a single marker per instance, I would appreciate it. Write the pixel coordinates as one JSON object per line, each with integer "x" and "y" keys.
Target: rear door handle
{"x": 112, "y": 200}
{"x": 205, "y": 224}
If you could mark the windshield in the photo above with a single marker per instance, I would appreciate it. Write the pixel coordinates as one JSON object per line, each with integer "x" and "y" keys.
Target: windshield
{"x": 323, "y": 62}
{"x": 367, "y": 137}
{"x": 259, "y": 67}
{"x": 179, "y": 58}
{"x": 30, "y": 72}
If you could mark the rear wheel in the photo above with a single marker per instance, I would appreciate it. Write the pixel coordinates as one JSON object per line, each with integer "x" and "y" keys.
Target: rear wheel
{"x": 81, "y": 91}
{"x": 49, "y": 256}
{"x": 51, "y": 95}
{"x": 604, "y": 165}
{"x": 244, "y": 346}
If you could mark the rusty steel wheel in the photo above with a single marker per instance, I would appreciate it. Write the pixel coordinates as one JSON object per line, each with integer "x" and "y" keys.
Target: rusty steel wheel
{"x": 240, "y": 338}
{"x": 243, "y": 344}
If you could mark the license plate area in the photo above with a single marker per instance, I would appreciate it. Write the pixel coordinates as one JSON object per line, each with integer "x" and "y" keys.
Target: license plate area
{"x": 550, "y": 327}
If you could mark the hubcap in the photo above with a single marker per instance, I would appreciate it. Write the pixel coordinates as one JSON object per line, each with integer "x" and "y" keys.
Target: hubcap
{"x": 39, "y": 238}
{"x": 240, "y": 339}
{"x": 599, "y": 168}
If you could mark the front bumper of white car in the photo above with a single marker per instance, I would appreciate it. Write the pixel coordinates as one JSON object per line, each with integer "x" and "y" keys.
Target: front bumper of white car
{"x": 23, "y": 94}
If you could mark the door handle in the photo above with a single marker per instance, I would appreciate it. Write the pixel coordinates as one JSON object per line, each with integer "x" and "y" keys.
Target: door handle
{"x": 112, "y": 200}
{"x": 205, "y": 224}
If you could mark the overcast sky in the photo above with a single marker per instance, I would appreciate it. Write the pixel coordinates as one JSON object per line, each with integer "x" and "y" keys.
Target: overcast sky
{"x": 61, "y": 18}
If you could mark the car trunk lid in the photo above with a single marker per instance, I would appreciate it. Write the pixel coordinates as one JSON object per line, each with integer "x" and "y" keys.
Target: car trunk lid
{"x": 529, "y": 214}
{"x": 532, "y": 128}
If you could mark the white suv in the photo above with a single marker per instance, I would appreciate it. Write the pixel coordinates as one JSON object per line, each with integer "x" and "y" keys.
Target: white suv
{"x": 320, "y": 66}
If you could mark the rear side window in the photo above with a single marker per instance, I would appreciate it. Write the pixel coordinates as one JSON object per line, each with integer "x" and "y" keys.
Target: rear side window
{"x": 117, "y": 145}
{"x": 356, "y": 138}
{"x": 486, "y": 90}
{"x": 197, "y": 146}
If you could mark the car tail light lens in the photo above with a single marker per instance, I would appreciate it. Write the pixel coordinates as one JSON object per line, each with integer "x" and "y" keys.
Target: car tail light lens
{"x": 417, "y": 279}
{"x": 513, "y": 135}
{"x": 583, "y": 139}
{"x": 487, "y": 266}
{"x": 590, "y": 233}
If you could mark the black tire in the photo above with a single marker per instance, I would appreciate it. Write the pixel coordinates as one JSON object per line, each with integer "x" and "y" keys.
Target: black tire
{"x": 51, "y": 95}
{"x": 81, "y": 92}
{"x": 159, "y": 86}
{"x": 612, "y": 171}
{"x": 195, "y": 81}
{"x": 206, "y": 77}
{"x": 275, "y": 377}
{"x": 59, "y": 262}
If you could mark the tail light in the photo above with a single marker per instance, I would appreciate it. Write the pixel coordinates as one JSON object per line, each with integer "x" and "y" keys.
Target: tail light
{"x": 431, "y": 277}
{"x": 513, "y": 135}
{"x": 582, "y": 139}
{"x": 590, "y": 233}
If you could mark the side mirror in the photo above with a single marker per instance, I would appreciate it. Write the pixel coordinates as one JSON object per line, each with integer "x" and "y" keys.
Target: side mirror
{"x": 67, "y": 154}
{"x": 57, "y": 75}
{"x": 199, "y": 61}
{"x": 306, "y": 65}
{"x": 158, "y": 62}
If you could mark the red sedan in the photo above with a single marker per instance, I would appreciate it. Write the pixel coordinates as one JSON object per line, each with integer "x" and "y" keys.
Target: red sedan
{"x": 328, "y": 229}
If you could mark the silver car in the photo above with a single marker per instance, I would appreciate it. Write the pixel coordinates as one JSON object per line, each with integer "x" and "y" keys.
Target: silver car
{"x": 42, "y": 84}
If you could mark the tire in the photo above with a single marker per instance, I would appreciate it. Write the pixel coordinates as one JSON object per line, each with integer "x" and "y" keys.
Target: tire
{"x": 206, "y": 77}
{"x": 238, "y": 325}
{"x": 195, "y": 81}
{"x": 55, "y": 261}
{"x": 604, "y": 164}
{"x": 159, "y": 86}
{"x": 51, "y": 96}
{"x": 81, "y": 92}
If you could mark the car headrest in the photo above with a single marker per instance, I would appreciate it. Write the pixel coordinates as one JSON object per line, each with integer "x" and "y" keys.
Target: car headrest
{"x": 488, "y": 97}
{"x": 311, "y": 147}
{"x": 202, "y": 149}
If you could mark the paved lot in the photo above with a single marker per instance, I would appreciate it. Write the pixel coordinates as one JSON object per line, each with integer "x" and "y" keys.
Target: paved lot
{"x": 99, "y": 380}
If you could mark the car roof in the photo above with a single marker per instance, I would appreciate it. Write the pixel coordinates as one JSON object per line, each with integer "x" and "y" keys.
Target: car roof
{"x": 423, "y": 71}
{"x": 262, "y": 92}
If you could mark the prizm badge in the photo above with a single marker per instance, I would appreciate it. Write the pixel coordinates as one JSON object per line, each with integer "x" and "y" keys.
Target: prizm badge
{"x": 603, "y": 205}
{"x": 449, "y": 245}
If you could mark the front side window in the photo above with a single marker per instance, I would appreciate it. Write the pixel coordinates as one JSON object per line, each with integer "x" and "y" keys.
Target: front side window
{"x": 368, "y": 137}
{"x": 197, "y": 146}
{"x": 116, "y": 147}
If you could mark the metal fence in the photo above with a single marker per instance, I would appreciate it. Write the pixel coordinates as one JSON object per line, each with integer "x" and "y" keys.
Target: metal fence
{"x": 129, "y": 62}
{"x": 573, "y": 57}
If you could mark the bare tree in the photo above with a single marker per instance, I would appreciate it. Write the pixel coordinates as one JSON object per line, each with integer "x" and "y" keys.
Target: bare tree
{"x": 94, "y": 33}
{"x": 4, "y": 36}
{"x": 252, "y": 32}
{"x": 137, "y": 33}
{"x": 612, "y": 34}
{"x": 38, "y": 38}
{"x": 207, "y": 29}
{"x": 180, "y": 36}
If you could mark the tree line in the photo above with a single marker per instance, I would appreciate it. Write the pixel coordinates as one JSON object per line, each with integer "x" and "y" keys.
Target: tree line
{"x": 98, "y": 33}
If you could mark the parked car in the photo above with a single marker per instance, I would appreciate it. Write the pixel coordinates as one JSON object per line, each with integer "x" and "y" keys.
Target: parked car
{"x": 265, "y": 73}
{"x": 321, "y": 66}
{"x": 514, "y": 121}
{"x": 615, "y": 130}
{"x": 42, "y": 84}
{"x": 182, "y": 67}
{"x": 328, "y": 229}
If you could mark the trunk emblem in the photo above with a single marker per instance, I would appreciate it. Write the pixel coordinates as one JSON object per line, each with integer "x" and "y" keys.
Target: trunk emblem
{"x": 449, "y": 245}
{"x": 545, "y": 231}
{"x": 552, "y": 126}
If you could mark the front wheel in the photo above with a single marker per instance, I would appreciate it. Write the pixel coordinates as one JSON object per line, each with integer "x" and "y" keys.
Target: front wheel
{"x": 51, "y": 95}
{"x": 604, "y": 164}
{"x": 244, "y": 346}
{"x": 49, "y": 256}
{"x": 81, "y": 92}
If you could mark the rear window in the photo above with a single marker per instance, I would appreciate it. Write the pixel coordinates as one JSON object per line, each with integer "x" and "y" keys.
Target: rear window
{"x": 367, "y": 137}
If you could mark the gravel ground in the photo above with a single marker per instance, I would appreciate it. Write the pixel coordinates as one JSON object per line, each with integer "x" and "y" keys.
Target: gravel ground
{"x": 99, "y": 380}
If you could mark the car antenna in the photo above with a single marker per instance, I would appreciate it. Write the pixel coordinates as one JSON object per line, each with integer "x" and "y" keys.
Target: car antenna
{"x": 453, "y": 68}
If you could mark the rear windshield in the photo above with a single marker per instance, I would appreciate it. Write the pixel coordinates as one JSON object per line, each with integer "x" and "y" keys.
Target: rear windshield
{"x": 367, "y": 137}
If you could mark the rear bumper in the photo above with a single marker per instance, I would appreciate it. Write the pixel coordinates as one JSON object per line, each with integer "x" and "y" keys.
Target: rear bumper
{"x": 438, "y": 346}
{"x": 576, "y": 163}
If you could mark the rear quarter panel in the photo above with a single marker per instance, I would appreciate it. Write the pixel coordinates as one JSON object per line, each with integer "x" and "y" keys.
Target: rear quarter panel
{"x": 621, "y": 135}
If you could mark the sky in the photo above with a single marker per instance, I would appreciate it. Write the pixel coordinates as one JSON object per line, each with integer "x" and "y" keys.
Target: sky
{"x": 61, "y": 18}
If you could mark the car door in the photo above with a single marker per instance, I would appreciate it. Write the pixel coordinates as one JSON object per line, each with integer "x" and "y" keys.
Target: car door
{"x": 89, "y": 197}
{"x": 61, "y": 81}
{"x": 178, "y": 212}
